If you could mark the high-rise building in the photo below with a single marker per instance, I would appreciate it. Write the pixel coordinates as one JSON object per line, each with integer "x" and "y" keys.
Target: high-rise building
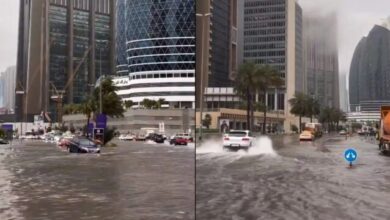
{"x": 62, "y": 45}
{"x": 156, "y": 49}
{"x": 343, "y": 92}
{"x": 273, "y": 36}
{"x": 216, "y": 31}
{"x": 7, "y": 88}
{"x": 321, "y": 59}
{"x": 369, "y": 73}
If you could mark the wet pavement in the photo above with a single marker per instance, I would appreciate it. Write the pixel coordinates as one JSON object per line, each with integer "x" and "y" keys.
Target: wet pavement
{"x": 293, "y": 180}
{"x": 132, "y": 181}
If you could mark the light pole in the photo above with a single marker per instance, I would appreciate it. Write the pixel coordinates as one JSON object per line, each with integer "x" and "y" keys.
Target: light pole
{"x": 201, "y": 71}
{"x": 24, "y": 104}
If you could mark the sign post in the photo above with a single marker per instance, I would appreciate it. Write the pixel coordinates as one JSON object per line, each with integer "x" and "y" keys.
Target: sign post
{"x": 350, "y": 155}
{"x": 98, "y": 135}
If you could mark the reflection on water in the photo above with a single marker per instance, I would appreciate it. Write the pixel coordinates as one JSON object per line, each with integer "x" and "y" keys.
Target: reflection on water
{"x": 41, "y": 182}
{"x": 302, "y": 182}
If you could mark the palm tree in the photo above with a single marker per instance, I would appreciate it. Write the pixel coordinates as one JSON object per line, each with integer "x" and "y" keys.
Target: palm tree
{"x": 299, "y": 107}
{"x": 88, "y": 108}
{"x": 244, "y": 86}
{"x": 266, "y": 77}
{"x": 313, "y": 107}
{"x": 111, "y": 102}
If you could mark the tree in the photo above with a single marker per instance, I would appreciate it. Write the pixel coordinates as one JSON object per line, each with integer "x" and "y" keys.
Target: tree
{"x": 313, "y": 107}
{"x": 266, "y": 77}
{"x": 160, "y": 102}
{"x": 2, "y": 133}
{"x": 128, "y": 104}
{"x": 207, "y": 121}
{"x": 244, "y": 86}
{"x": 299, "y": 107}
{"x": 148, "y": 103}
{"x": 111, "y": 102}
{"x": 88, "y": 107}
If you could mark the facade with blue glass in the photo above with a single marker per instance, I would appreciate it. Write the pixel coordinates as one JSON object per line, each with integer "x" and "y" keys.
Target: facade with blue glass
{"x": 156, "y": 49}
{"x": 63, "y": 45}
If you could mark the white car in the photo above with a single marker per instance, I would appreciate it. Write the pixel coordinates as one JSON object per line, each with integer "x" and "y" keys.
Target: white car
{"x": 238, "y": 139}
{"x": 127, "y": 137}
{"x": 306, "y": 136}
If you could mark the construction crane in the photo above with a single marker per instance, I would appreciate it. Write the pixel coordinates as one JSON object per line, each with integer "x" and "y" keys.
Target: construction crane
{"x": 58, "y": 95}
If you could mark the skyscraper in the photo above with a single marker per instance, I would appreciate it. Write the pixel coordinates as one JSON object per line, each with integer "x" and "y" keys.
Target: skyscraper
{"x": 216, "y": 31}
{"x": 369, "y": 77}
{"x": 156, "y": 48}
{"x": 7, "y": 88}
{"x": 321, "y": 59}
{"x": 62, "y": 45}
{"x": 273, "y": 36}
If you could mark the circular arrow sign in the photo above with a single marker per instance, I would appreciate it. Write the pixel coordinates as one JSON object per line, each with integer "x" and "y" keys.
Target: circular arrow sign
{"x": 350, "y": 155}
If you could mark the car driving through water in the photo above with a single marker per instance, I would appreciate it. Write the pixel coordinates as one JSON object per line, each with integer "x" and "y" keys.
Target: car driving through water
{"x": 83, "y": 145}
{"x": 237, "y": 139}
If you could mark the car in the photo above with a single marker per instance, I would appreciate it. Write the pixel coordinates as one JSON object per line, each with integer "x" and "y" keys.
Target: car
{"x": 127, "y": 137}
{"x": 185, "y": 136}
{"x": 158, "y": 138}
{"x": 2, "y": 141}
{"x": 178, "y": 140}
{"x": 237, "y": 139}
{"x": 140, "y": 137}
{"x": 342, "y": 132}
{"x": 83, "y": 145}
{"x": 306, "y": 136}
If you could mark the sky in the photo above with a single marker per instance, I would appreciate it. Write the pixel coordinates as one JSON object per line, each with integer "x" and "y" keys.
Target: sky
{"x": 356, "y": 18}
{"x": 9, "y": 17}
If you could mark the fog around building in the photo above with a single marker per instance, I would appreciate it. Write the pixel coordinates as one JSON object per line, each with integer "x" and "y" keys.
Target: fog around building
{"x": 355, "y": 19}
{"x": 9, "y": 18}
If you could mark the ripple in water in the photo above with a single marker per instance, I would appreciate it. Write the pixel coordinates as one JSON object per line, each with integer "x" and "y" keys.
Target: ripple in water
{"x": 260, "y": 146}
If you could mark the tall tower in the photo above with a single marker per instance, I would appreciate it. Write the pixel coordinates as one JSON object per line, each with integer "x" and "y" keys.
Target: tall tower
{"x": 216, "y": 40}
{"x": 273, "y": 36}
{"x": 157, "y": 39}
{"x": 62, "y": 45}
{"x": 321, "y": 59}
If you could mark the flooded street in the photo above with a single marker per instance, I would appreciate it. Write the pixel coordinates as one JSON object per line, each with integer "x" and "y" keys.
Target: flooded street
{"x": 292, "y": 180}
{"x": 132, "y": 181}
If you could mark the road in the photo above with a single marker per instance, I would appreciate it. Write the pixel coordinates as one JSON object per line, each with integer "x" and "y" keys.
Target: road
{"x": 285, "y": 179}
{"x": 132, "y": 181}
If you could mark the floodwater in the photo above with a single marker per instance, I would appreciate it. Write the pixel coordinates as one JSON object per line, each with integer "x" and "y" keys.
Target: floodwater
{"x": 131, "y": 181}
{"x": 285, "y": 179}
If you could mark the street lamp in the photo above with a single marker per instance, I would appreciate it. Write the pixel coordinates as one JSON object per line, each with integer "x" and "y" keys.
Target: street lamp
{"x": 201, "y": 71}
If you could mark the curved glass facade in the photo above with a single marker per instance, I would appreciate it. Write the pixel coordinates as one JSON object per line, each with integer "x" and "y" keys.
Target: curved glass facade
{"x": 160, "y": 44}
{"x": 121, "y": 61}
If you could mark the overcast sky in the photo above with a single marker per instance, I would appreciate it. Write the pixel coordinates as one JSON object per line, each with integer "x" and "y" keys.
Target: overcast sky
{"x": 356, "y": 18}
{"x": 9, "y": 16}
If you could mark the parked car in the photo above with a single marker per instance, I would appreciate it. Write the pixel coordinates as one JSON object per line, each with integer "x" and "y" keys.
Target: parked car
{"x": 158, "y": 138}
{"x": 186, "y": 136}
{"x": 306, "y": 136}
{"x": 342, "y": 132}
{"x": 83, "y": 145}
{"x": 237, "y": 139}
{"x": 178, "y": 140}
{"x": 127, "y": 137}
{"x": 140, "y": 137}
{"x": 2, "y": 141}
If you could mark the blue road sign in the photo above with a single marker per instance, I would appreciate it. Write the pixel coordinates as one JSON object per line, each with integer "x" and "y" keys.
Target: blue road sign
{"x": 350, "y": 155}
{"x": 101, "y": 121}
